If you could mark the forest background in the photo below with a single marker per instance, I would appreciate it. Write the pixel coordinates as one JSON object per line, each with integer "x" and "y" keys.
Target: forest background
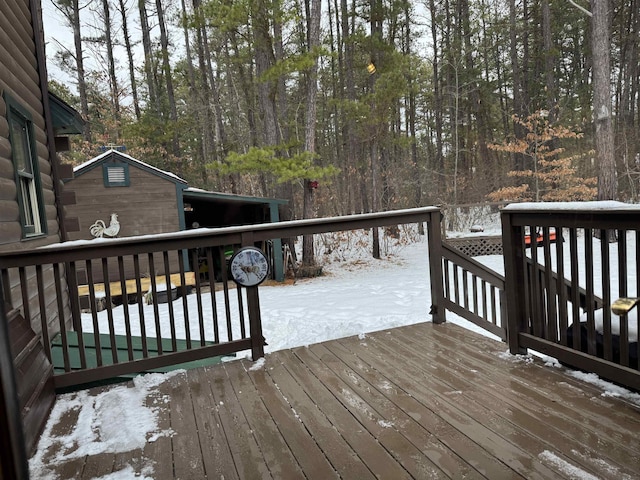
{"x": 350, "y": 106}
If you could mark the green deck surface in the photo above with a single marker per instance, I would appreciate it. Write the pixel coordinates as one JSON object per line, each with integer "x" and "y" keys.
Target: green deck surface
{"x": 90, "y": 349}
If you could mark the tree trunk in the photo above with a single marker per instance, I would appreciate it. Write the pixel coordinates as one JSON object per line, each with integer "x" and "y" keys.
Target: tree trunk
{"x": 264, "y": 58}
{"x": 197, "y": 108}
{"x": 607, "y": 178}
{"x": 128, "y": 47}
{"x": 71, "y": 11}
{"x": 376, "y": 38}
{"x": 152, "y": 85}
{"x": 516, "y": 70}
{"x": 113, "y": 80}
{"x": 313, "y": 28}
{"x": 171, "y": 99}
{"x": 438, "y": 161}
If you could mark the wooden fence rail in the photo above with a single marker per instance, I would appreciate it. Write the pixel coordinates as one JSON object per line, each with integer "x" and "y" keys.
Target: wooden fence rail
{"x": 69, "y": 292}
{"x": 562, "y": 307}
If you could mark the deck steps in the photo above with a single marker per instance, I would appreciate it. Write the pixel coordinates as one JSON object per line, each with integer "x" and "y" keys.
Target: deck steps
{"x": 34, "y": 377}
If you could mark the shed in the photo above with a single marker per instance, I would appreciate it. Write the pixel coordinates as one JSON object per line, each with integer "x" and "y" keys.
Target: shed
{"x": 148, "y": 200}
{"x": 215, "y": 209}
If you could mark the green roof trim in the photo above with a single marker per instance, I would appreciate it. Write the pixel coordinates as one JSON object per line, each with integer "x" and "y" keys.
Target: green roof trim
{"x": 196, "y": 193}
{"x": 66, "y": 120}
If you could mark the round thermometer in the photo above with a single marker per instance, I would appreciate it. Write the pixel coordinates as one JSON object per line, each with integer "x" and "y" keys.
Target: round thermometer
{"x": 249, "y": 267}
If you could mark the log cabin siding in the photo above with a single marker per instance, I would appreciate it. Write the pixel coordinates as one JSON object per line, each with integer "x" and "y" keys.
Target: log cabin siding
{"x": 23, "y": 83}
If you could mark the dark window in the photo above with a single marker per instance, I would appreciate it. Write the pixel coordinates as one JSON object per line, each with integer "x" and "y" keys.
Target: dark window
{"x": 25, "y": 162}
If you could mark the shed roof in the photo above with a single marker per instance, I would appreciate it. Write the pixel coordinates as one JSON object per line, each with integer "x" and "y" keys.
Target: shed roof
{"x": 123, "y": 157}
{"x": 197, "y": 193}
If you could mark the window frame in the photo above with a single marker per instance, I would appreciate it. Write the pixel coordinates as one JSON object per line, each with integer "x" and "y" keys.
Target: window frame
{"x": 105, "y": 174}
{"x": 28, "y": 183}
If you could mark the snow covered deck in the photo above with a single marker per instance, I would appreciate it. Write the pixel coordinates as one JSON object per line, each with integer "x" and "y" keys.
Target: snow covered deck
{"x": 422, "y": 401}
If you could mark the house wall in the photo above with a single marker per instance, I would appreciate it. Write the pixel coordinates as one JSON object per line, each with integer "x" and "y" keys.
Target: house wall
{"x": 21, "y": 68}
{"x": 19, "y": 77}
{"x": 148, "y": 205}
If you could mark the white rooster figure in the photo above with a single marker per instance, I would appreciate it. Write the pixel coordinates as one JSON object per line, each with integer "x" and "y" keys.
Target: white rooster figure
{"x": 99, "y": 229}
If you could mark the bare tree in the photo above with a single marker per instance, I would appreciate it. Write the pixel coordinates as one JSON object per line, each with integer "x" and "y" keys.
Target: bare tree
{"x": 70, "y": 9}
{"x": 607, "y": 178}
{"x": 111, "y": 66}
{"x": 166, "y": 67}
{"x": 124, "y": 12}
{"x": 313, "y": 9}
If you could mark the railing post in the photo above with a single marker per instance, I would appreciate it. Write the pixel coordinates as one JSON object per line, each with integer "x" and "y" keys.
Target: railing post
{"x": 255, "y": 323}
{"x": 253, "y": 305}
{"x": 513, "y": 249}
{"x": 434, "y": 239}
{"x": 13, "y": 455}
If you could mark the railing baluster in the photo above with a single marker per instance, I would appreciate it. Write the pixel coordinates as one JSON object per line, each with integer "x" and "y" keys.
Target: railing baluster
{"x": 551, "y": 331}
{"x": 44, "y": 323}
{"x": 194, "y": 262}
{"x": 447, "y": 286}
{"x": 61, "y": 317}
{"x": 623, "y": 339}
{"x": 225, "y": 286}
{"x": 456, "y": 287}
{"x": 6, "y": 286}
{"x": 107, "y": 291}
{"x": 563, "y": 311}
{"x": 185, "y": 306}
{"x": 494, "y": 309}
{"x": 212, "y": 292}
{"x": 606, "y": 294}
{"x": 140, "y": 302}
{"x": 125, "y": 306}
{"x": 589, "y": 304}
{"x": 76, "y": 318}
{"x": 485, "y": 314}
{"x": 24, "y": 291}
{"x": 154, "y": 298}
{"x": 172, "y": 317}
{"x": 243, "y": 333}
{"x": 575, "y": 285}
{"x": 94, "y": 312}
{"x": 465, "y": 287}
{"x": 474, "y": 280}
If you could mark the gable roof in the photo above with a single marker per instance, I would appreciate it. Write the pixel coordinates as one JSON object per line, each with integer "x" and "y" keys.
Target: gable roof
{"x": 111, "y": 155}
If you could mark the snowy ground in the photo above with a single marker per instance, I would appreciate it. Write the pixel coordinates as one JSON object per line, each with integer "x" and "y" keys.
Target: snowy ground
{"x": 356, "y": 296}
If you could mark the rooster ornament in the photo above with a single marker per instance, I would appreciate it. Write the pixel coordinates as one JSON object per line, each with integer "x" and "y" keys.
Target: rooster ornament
{"x": 99, "y": 229}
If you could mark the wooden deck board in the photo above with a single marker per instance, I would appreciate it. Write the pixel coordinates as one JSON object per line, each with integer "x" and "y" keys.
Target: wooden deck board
{"x": 537, "y": 422}
{"x": 423, "y": 401}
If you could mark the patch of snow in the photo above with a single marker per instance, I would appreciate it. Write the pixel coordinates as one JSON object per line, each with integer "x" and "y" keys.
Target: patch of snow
{"x": 102, "y": 425}
{"x": 257, "y": 365}
{"x": 572, "y": 206}
{"x": 571, "y": 471}
{"x": 608, "y": 389}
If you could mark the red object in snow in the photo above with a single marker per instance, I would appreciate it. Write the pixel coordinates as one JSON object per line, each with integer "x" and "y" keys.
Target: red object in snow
{"x": 539, "y": 239}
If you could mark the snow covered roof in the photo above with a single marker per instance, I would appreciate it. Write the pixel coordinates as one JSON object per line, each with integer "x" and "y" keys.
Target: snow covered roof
{"x": 572, "y": 206}
{"x": 109, "y": 154}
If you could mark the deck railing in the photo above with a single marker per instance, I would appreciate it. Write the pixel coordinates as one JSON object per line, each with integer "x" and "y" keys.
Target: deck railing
{"x": 474, "y": 291}
{"x": 78, "y": 323}
{"x": 562, "y": 307}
